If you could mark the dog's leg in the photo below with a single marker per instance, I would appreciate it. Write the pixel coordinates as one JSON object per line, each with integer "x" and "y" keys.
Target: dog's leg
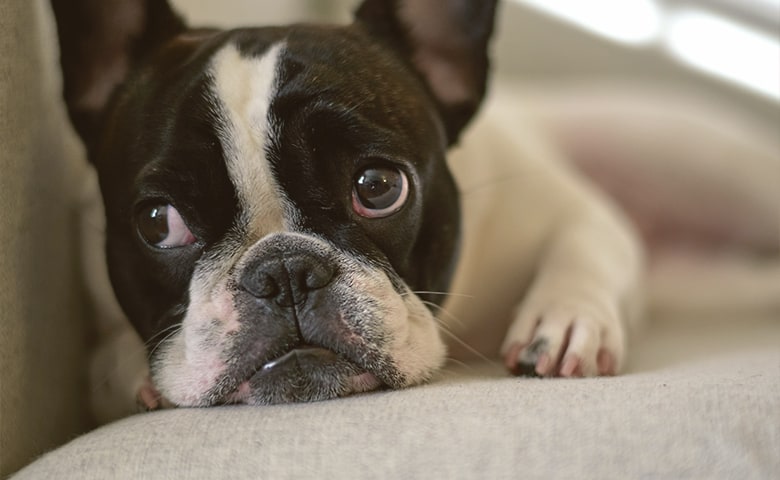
{"x": 574, "y": 318}
{"x": 119, "y": 372}
{"x": 534, "y": 228}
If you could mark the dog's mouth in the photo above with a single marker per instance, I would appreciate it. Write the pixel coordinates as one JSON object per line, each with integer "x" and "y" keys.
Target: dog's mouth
{"x": 359, "y": 332}
{"x": 301, "y": 354}
{"x": 305, "y": 373}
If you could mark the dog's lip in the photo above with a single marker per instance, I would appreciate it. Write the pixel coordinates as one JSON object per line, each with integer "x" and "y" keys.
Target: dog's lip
{"x": 301, "y": 351}
{"x": 305, "y": 373}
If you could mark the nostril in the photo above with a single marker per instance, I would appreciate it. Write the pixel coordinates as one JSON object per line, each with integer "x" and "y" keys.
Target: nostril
{"x": 308, "y": 273}
{"x": 288, "y": 279}
{"x": 318, "y": 276}
{"x": 260, "y": 284}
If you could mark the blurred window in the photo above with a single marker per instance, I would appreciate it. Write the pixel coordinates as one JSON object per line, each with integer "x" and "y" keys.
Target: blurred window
{"x": 735, "y": 40}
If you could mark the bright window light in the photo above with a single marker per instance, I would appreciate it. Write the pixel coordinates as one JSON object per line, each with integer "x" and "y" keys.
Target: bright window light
{"x": 725, "y": 48}
{"x": 633, "y": 22}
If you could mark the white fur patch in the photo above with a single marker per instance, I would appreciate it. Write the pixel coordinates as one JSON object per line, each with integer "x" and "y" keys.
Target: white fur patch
{"x": 244, "y": 87}
{"x": 189, "y": 364}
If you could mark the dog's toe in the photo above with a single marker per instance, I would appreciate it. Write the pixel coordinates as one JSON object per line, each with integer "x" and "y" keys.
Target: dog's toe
{"x": 521, "y": 369}
{"x": 148, "y": 398}
{"x": 571, "y": 367}
{"x": 566, "y": 344}
{"x": 607, "y": 364}
{"x": 523, "y": 361}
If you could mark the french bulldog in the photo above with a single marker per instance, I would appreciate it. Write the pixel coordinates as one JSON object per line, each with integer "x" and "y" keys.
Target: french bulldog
{"x": 295, "y": 213}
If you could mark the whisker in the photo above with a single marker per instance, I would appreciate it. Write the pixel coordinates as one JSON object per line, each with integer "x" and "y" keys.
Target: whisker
{"x": 460, "y": 363}
{"x": 161, "y": 332}
{"x": 443, "y": 328}
{"x": 448, "y": 294}
{"x": 445, "y": 312}
{"x": 453, "y": 366}
{"x": 174, "y": 332}
{"x": 125, "y": 358}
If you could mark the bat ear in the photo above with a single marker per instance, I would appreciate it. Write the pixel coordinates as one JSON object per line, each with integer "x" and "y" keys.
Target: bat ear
{"x": 446, "y": 41}
{"x": 100, "y": 42}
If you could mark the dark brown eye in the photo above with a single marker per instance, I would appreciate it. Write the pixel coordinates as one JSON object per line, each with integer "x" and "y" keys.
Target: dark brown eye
{"x": 161, "y": 226}
{"x": 379, "y": 191}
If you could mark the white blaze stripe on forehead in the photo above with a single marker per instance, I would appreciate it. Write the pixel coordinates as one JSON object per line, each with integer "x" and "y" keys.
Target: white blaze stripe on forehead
{"x": 189, "y": 362}
{"x": 244, "y": 88}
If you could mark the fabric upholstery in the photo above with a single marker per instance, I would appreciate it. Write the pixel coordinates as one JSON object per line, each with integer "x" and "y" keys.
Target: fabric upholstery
{"x": 42, "y": 335}
{"x": 682, "y": 414}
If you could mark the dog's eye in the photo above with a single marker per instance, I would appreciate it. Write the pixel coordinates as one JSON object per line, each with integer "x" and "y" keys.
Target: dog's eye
{"x": 379, "y": 191}
{"x": 162, "y": 226}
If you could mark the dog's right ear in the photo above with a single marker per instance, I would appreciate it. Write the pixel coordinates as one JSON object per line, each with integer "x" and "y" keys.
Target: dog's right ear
{"x": 100, "y": 42}
{"x": 446, "y": 41}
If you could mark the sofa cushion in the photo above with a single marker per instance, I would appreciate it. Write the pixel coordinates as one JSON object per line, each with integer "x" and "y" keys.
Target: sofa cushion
{"x": 703, "y": 419}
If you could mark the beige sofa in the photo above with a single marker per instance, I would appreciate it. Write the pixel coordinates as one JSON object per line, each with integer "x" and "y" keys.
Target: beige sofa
{"x": 42, "y": 329}
{"x": 701, "y": 398}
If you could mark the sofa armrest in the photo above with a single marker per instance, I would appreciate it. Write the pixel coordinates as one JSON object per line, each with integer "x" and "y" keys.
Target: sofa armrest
{"x": 43, "y": 334}
{"x": 712, "y": 419}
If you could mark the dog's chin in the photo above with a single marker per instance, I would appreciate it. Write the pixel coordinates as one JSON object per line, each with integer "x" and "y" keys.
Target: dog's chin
{"x": 305, "y": 374}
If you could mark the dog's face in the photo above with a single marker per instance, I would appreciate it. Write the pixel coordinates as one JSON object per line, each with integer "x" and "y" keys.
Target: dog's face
{"x": 278, "y": 203}
{"x": 288, "y": 226}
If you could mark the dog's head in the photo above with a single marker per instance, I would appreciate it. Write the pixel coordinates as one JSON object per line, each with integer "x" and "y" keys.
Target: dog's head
{"x": 277, "y": 199}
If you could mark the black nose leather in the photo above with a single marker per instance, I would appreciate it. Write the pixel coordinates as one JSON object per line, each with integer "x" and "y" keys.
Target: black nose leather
{"x": 288, "y": 280}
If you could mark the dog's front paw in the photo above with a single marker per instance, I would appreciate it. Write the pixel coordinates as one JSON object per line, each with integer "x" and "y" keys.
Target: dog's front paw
{"x": 565, "y": 338}
{"x": 148, "y": 398}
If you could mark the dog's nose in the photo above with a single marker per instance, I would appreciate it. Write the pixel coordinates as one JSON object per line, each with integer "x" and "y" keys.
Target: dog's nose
{"x": 288, "y": 279}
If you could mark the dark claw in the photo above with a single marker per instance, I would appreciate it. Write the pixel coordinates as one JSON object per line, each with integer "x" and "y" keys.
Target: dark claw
{"x": 529, "y": 357}
{"x": 523, "y": 369}
{"x": 536, "y": 349}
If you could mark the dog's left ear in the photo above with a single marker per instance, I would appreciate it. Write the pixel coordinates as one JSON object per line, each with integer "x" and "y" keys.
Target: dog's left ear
{"x": 100, "y": 42}
{"x": 446, "y": 41}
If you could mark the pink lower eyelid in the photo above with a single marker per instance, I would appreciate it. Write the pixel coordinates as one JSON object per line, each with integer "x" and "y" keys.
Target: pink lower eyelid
{"x": 179, "y": 233}
{"x": 188, "y": 239}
